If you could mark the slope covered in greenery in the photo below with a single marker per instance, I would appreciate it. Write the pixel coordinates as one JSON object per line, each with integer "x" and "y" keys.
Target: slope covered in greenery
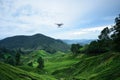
{"x": 34, "y": 42}
{"x": 8, "y": 72}
{"x": 64, "y": 66}
{"x": 102, "y": 67}
{"x": 52, "y": 62}
{"x": 81, "y": 67}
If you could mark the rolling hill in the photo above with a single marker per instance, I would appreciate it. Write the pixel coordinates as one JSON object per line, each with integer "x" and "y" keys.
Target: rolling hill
{"x": 8, "y": 72}
{"x": 81, "y": 67}
{"x": 62, "y": 66}
{"x": 34, "y": 42}
{"x": 101, "y": 67}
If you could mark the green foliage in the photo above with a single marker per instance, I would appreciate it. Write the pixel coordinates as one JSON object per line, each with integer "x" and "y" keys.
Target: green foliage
{"x": 101, "y": 67}
{"x": 17, "y": 58}
{"x": 102, "y": 45}
{"x": 10, "y": 60}
{"x": 84, "y": 48}
{"x": 35, "y": 42}
{"x": 40, "y": 63}
{"x": 97, "y": 47}
{"x": 8, "y": 72}
{"x": 30, "y": 64}
{"x": 104, "y": 34}
{"x": 109, "y": 40}
{"x": 116, "y": 35}
{"x": 33, "y": 57}
{"x": 7, "y": 56}
{"x": 81, "y": 67}
{"x": 59, "y": 61}
{"x": 75, "y": 48}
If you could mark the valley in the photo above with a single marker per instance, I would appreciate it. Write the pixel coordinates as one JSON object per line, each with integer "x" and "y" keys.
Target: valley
{"x": 59, "y": 39}
{"x": 64, "y": 66}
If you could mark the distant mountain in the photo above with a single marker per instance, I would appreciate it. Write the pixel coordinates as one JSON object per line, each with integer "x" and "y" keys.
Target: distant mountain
{"x": 81, "y": 41}
{"x": 34, "y": 42}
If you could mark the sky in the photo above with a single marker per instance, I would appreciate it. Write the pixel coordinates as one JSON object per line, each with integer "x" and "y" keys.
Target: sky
{"x": 82, "y": 19}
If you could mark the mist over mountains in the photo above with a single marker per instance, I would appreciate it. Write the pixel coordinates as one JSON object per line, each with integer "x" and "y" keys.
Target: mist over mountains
{"x": 78, "y": 41}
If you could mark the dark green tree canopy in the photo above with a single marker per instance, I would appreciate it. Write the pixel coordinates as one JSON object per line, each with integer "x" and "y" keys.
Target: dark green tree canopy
{"x": 104, "y": 34}
{"x": 116, "y": 34}
{"x": 75, "y": 48}
{"x": 17, "y": 58}
{"x": 109, "y": 39}
{"x": 40, "y": 63}
{"x": 117, "y": 20}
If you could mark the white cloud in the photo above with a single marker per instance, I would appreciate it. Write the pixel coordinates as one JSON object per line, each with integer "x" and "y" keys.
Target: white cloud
{"x": 53, "y": 11}
{"x": 40, "y": 16}
{"x": 85, "y": 33}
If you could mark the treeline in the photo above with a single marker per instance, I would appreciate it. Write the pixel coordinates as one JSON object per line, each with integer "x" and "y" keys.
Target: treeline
{"x": 13, "y": 57}
{"x": 10, "y": 56}
{"x": 109, "y": 40}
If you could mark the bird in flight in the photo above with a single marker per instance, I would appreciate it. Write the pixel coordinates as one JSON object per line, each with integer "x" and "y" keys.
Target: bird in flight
{"x": 59, "y": 24}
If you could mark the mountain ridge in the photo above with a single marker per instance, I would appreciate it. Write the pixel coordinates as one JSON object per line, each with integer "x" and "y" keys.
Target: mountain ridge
{"x": 78, "y": 41}
{"x": 34, "y": 42}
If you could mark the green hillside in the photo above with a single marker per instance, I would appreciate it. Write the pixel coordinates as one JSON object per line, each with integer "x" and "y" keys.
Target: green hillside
{"x": 52, "y": 62}
{"x": 101, "y": 67}
{"x": 8, "y": 72}
{"x": 34, "y": 42}
{"x": 65, "y": 66}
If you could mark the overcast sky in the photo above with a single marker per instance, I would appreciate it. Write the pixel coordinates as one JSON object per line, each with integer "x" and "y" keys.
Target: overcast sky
{"x": 83, "y": 19}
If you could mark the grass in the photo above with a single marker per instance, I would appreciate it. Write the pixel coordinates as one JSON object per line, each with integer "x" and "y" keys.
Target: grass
{"x": 32, "y": 57}
{"x": 65, "y": 66}
{"x": 8, "y": 72}
{"x": 53, "y": 66}
{"x": 52, "y": 62}
{"x": 101, "y": 67}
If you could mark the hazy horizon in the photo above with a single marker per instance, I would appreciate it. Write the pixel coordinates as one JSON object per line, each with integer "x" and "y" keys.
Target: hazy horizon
{"x": 44, "y": 35}
{"x": 82, "y": 19}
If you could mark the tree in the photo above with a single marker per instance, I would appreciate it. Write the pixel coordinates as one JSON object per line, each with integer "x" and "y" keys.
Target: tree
{"x": 10, "y": 60}
{"x": 105, "y": 39}
{"x": 96, "y": 47}
{"x": 75, "y": 48}
{"x": 116, "y": 34}
{"x": 30, "y": 64}
{"x": 17, "y": 58}
{"x": 109, "y": 40}
{"x": 40, "y": 63}
{"x": 104, "y": 34}
{"x": 117, "y": 20}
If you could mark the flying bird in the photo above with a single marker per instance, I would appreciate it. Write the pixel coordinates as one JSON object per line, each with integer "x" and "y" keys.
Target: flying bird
{"x": 59, "y": 24}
